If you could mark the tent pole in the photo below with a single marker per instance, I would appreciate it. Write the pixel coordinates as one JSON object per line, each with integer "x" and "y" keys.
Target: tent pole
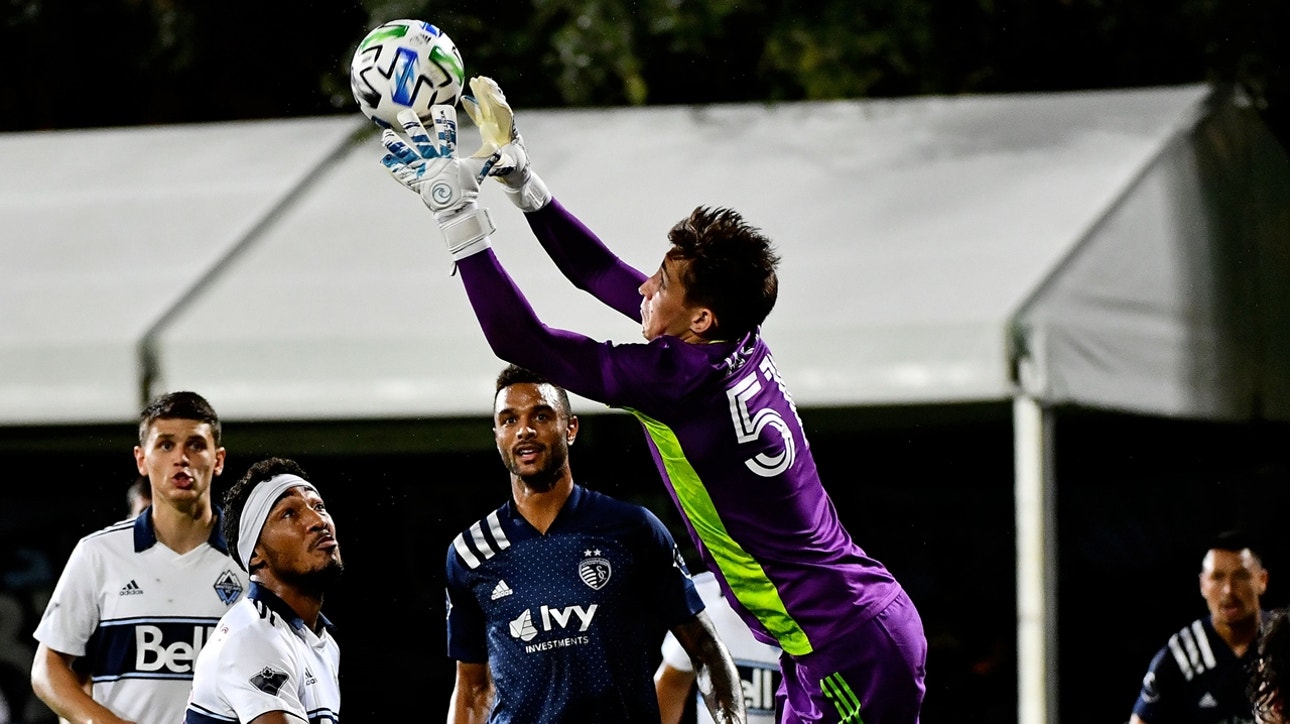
{"x": 1035, "y": 501}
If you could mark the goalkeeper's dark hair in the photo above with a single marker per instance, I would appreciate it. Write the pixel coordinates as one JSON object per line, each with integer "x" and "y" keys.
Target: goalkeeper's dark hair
{"x": 181, "y": 405}
{"x": 1271, "y": 667}
{"x": 730, "y": 269}
{"x": 236, "y": 497}
{"x": 516, "y": 375}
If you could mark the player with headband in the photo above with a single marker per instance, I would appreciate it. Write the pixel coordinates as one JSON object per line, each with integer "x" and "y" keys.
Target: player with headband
{"x": 272, "y": 659}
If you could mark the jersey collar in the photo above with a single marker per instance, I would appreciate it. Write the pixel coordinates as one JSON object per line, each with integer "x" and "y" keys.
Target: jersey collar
{"x": 256, "y": 592}
{"x": 145, "y": 536}
{"x": 570, "y": 507}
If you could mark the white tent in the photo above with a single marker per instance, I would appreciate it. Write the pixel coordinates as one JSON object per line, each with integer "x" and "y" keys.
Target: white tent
{"x": 1117, "y": 249}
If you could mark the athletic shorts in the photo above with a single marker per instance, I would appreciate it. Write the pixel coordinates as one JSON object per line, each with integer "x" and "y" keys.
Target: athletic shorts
{"x": 873, "y": 676}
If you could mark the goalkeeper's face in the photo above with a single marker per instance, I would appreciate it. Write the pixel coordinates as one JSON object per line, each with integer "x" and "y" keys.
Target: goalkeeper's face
{"x": 534, "y": 431}
{"x": 664, "y": 310}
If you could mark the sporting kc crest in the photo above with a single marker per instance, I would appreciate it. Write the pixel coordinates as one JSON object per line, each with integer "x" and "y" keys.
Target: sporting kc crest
{"x": 595, "y": 570}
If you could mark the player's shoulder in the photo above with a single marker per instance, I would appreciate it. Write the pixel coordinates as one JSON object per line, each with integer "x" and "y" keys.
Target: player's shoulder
{"x": 1193, "y": 637}
{"x": 116, "y": 533}
{"x": 115, "y": 542}
{"x": 481, "y": 541}
{"x": 250, "y": 624}
{"x": 606, "y": 509}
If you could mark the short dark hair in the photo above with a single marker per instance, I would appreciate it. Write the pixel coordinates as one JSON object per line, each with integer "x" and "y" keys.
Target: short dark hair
{"x": 236, "y": 497}
{"x": 516, "y": 375}
{"x": 730, "y": 269}
{"x": 140, "y": 489}
{"x": 1235, "y": 541}
{"x": 1271, "y": 664}
{"x": 181, "y": 405}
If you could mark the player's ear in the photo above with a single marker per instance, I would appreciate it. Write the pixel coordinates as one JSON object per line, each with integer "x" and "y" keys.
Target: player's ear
{"x": 572, "y": 433}
{"x": 256, "y": 559}
{"x": 703, "y": 321}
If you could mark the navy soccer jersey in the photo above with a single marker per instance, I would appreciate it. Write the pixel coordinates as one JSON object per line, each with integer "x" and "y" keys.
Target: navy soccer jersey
{"x": 567, "y": 620}
{"x": 1196, "y": 678}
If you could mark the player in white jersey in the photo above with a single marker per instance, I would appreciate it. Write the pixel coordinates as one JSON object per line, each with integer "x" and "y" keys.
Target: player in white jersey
{"x": 272, "y": 658}
{"x": 758, "y": 664}
{"x": 137, "y": 600}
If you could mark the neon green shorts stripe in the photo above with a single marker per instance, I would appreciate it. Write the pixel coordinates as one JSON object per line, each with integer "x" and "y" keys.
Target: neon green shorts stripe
{"x": 837, "y": 690}
{"x": 744, "y": 574}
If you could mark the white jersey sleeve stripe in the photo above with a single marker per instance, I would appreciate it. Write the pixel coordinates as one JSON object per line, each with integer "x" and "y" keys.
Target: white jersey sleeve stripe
{"x": 495, "y": 527}
{"x": 465, "y": 552}
{"x": 1193, "y": 653}
{"x": 1180, "y": 657}
{"x": 1205, "y": 651}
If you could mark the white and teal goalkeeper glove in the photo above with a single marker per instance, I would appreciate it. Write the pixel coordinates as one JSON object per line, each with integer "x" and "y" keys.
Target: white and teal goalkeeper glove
{"x": 447, "y": 185}
{"x": 490, "y": 111}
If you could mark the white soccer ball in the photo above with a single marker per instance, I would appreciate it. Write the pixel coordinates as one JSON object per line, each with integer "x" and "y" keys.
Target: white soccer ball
{"x": 405, "y": 64}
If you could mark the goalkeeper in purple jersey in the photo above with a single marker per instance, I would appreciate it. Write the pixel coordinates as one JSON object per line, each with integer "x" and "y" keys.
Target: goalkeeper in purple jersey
{"x": 721, "y": 425}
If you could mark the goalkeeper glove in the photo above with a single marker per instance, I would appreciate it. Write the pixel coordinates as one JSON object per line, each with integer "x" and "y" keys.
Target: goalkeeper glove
{"x": 447, "y": 185}
{"x": 490, "y": 111}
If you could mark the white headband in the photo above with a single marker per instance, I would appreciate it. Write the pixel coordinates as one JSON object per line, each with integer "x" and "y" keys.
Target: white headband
{"x": 256, "y": 511}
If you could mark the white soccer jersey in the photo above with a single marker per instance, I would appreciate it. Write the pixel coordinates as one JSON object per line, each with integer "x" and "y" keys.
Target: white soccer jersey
{"x": 264, "y": 658}
{"x": 136, "y": 613}
{"x": 758, "y": 663}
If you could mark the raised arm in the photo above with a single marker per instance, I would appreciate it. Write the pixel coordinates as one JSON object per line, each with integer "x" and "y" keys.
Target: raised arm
{"x": 714, "y": 669}
{"x": 586, "y": 261}
{"x": 577, "y": 252}
{"x": 449, "y": 187}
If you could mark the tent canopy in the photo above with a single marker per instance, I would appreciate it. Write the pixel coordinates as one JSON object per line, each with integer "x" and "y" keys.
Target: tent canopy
{"x": 1111, "y": 248}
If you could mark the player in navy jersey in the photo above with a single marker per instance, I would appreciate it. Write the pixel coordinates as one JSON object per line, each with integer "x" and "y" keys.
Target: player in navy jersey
{"x": 272, "y": 658}
{"x": 137, "y": 600}
{"x": 722, "y": 427}
{"x": 1201, "y": 675}
{"x": 557, "y": 598}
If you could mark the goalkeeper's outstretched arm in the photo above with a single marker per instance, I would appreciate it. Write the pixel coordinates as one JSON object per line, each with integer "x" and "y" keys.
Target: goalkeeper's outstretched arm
{"x": 576, "y": 251}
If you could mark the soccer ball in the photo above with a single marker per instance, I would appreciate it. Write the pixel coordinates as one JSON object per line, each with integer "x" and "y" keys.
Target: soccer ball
{"x": 405, "y": 64}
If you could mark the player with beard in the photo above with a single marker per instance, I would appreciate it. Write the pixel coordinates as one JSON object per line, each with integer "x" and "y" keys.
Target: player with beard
{"x": 557, "y": 599}
{"x": 1201, "y": 675}
{"x": 272, "y": 659}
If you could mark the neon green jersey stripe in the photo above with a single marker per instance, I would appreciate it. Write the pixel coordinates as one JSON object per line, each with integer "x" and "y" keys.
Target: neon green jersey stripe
{"x": 744, "y": 574}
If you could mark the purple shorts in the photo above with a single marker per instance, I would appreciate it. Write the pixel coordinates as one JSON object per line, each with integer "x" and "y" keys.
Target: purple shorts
{"x": 873, "y": 676}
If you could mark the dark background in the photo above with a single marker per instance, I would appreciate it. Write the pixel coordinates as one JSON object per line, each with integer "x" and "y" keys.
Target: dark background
{"x": 926, "y": 490}
{"x": 81, "y": 63}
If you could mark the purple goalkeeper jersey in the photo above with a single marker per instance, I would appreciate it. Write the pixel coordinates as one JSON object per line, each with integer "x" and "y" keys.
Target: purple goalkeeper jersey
{"x": 723, "y": 431}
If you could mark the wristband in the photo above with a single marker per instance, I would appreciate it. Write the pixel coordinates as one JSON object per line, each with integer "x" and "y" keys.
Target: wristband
{"x": 466, "y": 232}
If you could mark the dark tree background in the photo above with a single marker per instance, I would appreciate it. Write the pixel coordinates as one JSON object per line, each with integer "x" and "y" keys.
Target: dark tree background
{"x": 86, "y": 63}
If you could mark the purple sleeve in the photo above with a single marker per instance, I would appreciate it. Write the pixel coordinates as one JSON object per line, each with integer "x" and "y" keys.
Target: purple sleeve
{"x": 640, "y": 376}
{"x": 516, "y": 335}
{"x": 585, "y": 260}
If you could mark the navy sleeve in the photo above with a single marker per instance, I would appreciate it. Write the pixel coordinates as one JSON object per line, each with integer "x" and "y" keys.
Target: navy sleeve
{"x": 467, "y": 632}
{"x": 1158, "y": 701}
{"x": 673, "y": 593}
